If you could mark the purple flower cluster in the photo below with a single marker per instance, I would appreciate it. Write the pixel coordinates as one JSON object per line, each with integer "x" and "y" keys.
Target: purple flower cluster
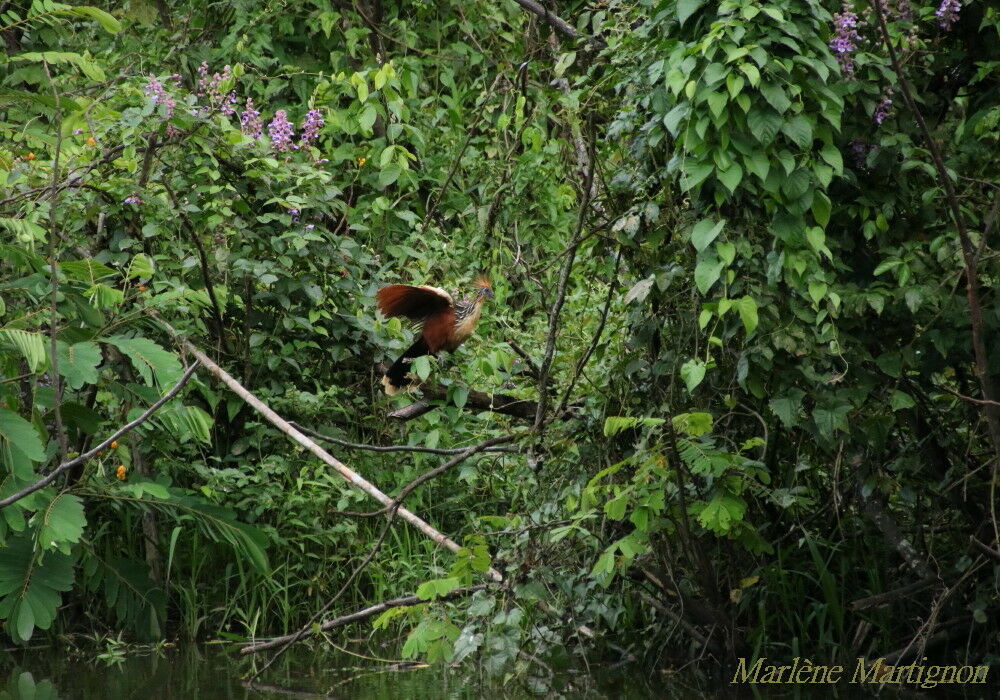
{"x": 947, "y": 13}
{"x": 250, "y": 123}
{"x": 281, "y": 133}
{"x": 158, "y": 93}
{"x": 846, "y": 38}
{"x": 883, "y": 108}
{"x": 311, "y": 126}
{"x": 210, "y": 86}
{"x": 133, "y": 199}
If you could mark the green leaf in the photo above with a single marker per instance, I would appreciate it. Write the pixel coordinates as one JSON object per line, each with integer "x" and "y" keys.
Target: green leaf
{"x": 78, "y": 362}
{"x": 751, "y": 72}
{"x": 799, "y": 130}
{"x": 831, "y": 154}
{"x": 821, "y": 212}
{"x": 87, "y": 270}
{"x": 108, "y": 22}
{"x": 686, "y": 8}
{"x": 726, "y": 252}
{"x": 60, "y": 523}
{"x": 817, "y": 290}
{"x": 421, "y": 367}
{"x": 693, "y": 372}
{"x": 900, "y": 400}
{"x": 704, "y": 232}
{"x": 22, "y": 435}
{"x": 141, "y": 267}
{"x": 460, "y": 396}
{"x": 615, "y": 508}
{"x": 30, "y": 345}
{"x": 435, "y": 588}
{"x": 758, "y": 164}
{"x": 817, "y": 239}
{"x": 887, "y": 265}
{"x": 693, "y": 424}
{"x": 367, "y": 117}
{"x": 707, "y": 272}
{"x": 776, "y": 97}
{"x": 747, "y": 309}
{"x": 149, "y": 359}
{"x": 763, "y": 124}
{"x": 30, "y": 588}
{"x": 717, "y": 102}
{"x": 721, "y": 513}
{"x": 787, "y": 407}
{"x": 831, "y": 418}
{"x": 616, "y": 424}
{"x": 731, "y": 176}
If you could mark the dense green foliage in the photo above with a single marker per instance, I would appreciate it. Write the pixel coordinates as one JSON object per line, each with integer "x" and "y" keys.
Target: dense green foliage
{"x": 727, "y": 247}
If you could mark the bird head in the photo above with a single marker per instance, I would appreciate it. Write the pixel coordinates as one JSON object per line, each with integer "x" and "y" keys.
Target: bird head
{"x": 483, "y": 288}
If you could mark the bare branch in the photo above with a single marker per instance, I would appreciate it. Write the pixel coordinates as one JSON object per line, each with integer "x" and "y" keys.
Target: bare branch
{"x": 66, "y": 466}
{"x": 391, "y": 448}
{"x": 370, "y": 611}
{"x": 437, "y": 471}
{"x": 349, "y": 475}
{"x": 559, "y": 24}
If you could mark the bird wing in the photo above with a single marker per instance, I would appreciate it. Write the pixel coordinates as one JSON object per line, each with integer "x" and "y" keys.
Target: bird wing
{"x": 416, "y": 303}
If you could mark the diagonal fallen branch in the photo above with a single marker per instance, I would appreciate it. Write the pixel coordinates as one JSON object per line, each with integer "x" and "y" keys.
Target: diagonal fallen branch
{"x": 365, "y": 613}
{"x": 284, "y": 426}
{"x": 66, "y": 466}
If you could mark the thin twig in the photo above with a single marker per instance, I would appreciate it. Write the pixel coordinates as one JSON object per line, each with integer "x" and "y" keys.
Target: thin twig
{"x": 612, "y": 288}
{"x": 982, "y": 402}
{"x": 305, "y": 629}
{"x": 433, "y": 473}
{"x": 391, "y": 448}
{"x": 557, "y": 304}
{"x": 66, "y": 466}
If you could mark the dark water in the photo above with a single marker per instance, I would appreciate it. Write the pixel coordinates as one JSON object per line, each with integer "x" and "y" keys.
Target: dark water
{"x": 213, "y": 672}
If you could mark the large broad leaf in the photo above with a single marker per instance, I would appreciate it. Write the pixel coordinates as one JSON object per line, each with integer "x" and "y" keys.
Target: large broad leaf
{"x": 60, "y": 523}
{"x": 78, "y": 362}
{"x": 215, "y": 522}
{"x": 149, "y": 359}
{"x": 30, "y": 587}
{"x": 137, "y": 600}
{"x": 719, "y": 514}
{"x": 21, "y": 435}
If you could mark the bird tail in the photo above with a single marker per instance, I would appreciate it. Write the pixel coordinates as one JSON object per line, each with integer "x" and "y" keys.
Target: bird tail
{"x": 395, "y": 377}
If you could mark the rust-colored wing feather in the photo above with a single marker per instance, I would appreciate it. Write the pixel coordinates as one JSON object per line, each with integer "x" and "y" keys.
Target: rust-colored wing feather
{"x": 415, "y": 303}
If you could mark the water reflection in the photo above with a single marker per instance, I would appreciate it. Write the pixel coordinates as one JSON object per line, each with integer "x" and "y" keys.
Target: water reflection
{"x": 212, "y": 672}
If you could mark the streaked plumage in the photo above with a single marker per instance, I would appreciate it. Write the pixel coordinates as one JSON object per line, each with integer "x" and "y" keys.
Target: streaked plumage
{"x": 445, "y": 324}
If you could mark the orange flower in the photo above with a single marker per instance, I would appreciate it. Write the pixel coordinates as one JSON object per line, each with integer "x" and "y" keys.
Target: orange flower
{"x": 91, "y": 141}
{"x": 30, "y": 156}
{"x": 114, "y": 444}
{"x": 120, "y": 472}
{"x": 141, "y": 287}
{"x": 361, "y": 161}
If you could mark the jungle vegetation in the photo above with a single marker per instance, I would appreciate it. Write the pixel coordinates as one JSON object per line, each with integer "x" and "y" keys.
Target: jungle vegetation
{"x": 736, "y": 394}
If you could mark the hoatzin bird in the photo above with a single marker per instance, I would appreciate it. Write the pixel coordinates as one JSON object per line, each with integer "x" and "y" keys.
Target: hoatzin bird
{"x": 445, "y": 324}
